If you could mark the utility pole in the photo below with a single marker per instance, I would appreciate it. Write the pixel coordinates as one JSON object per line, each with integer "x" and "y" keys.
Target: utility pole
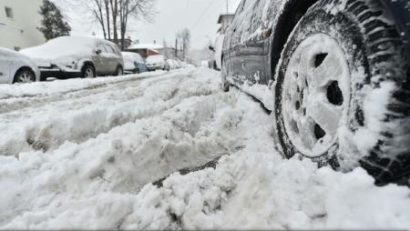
{"x": 227, "y": 6}
{"x": 176, "y": 48}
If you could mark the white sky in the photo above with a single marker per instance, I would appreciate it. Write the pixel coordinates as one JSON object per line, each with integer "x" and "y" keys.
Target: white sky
{"x": 200, "y": 16}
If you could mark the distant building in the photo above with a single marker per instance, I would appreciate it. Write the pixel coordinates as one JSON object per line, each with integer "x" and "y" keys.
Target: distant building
{"x": 19, "y": 20}
{"x": 146, "y": 50}
{"x": 225, "y": 20}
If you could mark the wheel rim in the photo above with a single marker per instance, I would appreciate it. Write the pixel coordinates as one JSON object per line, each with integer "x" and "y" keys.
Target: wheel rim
{"x": 25, "y": 77}
{"x": 316, "y": 95}
{"x": 119, "y": 72}
{"x": 89, "y": 73}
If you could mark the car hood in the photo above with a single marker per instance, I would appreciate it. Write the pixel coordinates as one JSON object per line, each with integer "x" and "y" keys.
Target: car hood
{"x": 47, "y": 54}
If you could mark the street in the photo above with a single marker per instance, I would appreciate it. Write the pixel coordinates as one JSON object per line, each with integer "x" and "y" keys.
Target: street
{"x": 86, "y": 155}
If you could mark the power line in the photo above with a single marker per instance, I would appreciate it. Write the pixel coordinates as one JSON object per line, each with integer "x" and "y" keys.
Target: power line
{"x": 203, "y": 14}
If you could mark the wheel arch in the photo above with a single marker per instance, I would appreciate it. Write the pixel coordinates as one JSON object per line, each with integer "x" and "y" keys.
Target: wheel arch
{"x": 87, "y": 62}
{"x": 22, "y": 68}
{"x": 293, "y": 11}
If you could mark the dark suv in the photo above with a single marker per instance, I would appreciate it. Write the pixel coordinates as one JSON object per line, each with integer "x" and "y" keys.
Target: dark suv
{"x": 334, "y": 73}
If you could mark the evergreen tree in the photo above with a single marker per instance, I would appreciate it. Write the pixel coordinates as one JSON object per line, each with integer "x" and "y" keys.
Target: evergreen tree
{"x": 52, "y": 24}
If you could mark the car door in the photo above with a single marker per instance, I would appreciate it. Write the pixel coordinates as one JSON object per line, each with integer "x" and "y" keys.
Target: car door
{"x": 110, "y": 58}
{"x": 4, "y": 68}
{"x": 233, "y": 45}
{"x": 98, "y": 58}
{"x": 255, "y": 34}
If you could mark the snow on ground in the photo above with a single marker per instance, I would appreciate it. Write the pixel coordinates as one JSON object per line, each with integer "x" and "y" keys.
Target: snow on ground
{"x": 84, "y": 155}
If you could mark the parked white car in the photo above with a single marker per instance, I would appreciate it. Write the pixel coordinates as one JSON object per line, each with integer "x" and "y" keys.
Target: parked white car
{"x": 155, "y": 62}
{"x": 171, "y": 64}
{"x": 86, "y": 57}
{"x": 17, "y": 68}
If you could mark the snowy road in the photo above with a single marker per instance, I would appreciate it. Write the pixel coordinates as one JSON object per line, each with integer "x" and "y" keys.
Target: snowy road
{"x": 83, "y": 154}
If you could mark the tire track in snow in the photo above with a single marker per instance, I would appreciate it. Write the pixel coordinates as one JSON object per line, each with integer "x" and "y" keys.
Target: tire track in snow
{"x": 198, "y": 124}
{"x": 9, "y": 104}
{"x": 46, "y": 134}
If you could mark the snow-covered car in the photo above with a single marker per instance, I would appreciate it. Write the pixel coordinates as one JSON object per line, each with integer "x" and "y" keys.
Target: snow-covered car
{"x": 155, "y": 62}
{"x": 334, "y": 73}
{"x": 17, "y": 68}
{"x": 133, "y": 63}
{"x": 171, "y": 64}
{"x": 68, "y": 56}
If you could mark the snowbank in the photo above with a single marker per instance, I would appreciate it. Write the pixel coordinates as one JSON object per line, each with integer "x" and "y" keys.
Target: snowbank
{"x": 141, "y": 131}
{"x": 63, "y": 87}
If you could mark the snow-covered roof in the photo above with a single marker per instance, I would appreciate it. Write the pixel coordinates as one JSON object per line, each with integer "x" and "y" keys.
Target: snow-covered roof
{"x": 223, "y": 17}
{"x": 151, "y": 46}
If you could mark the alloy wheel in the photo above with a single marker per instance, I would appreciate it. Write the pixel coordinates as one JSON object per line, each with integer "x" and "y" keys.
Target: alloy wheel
{"x": 89, "y": 73}
{"x": 316, "y": 94}
{"x": 25, "y": 77}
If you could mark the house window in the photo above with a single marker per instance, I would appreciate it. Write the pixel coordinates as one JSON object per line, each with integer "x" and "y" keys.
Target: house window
{"x": 9, "y": 12}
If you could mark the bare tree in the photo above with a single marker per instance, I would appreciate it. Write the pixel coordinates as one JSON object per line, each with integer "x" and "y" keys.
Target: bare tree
{"x": 114, "y": 16}
{"x": 134, "y": 9}
{"x": 185, "y": 37}
{"x": 98, "y": 13}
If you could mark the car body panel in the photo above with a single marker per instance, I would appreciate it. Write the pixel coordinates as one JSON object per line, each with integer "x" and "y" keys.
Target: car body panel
{"x": 11, "y": 62}
{"x": 246, "y": 46}
{"x": 64, "y": 57}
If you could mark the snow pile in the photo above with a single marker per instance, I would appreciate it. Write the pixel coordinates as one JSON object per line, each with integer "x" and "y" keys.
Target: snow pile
{"x": 260, "y": 192}
{"x": 140, "y": 131}
{"x": 62, "y": 87}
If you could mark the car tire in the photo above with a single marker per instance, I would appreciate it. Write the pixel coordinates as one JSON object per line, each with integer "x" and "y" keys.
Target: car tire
{"x": 24, "y": 75}
{"x": 372, "y": 97}
{"x": 119, "y": 71}
{"x": 88, "y": 71}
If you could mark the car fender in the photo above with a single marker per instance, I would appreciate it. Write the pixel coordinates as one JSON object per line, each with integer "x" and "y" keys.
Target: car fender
{"x": 25, "y": 62}
{"x": 81, "y": 63}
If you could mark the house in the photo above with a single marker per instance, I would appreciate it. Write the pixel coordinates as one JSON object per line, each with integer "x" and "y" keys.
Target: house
{"x": 225, "y": 20}
{"x": 149, "y": 49}
{"x": 146, "y": 50}
{"x": 19, "y": 20}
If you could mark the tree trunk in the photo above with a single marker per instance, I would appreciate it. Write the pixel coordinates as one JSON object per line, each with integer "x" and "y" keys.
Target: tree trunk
{"x": 123, "y": 23}
{"x": 114, "y": 9}
{"x": 107, "y": 15}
